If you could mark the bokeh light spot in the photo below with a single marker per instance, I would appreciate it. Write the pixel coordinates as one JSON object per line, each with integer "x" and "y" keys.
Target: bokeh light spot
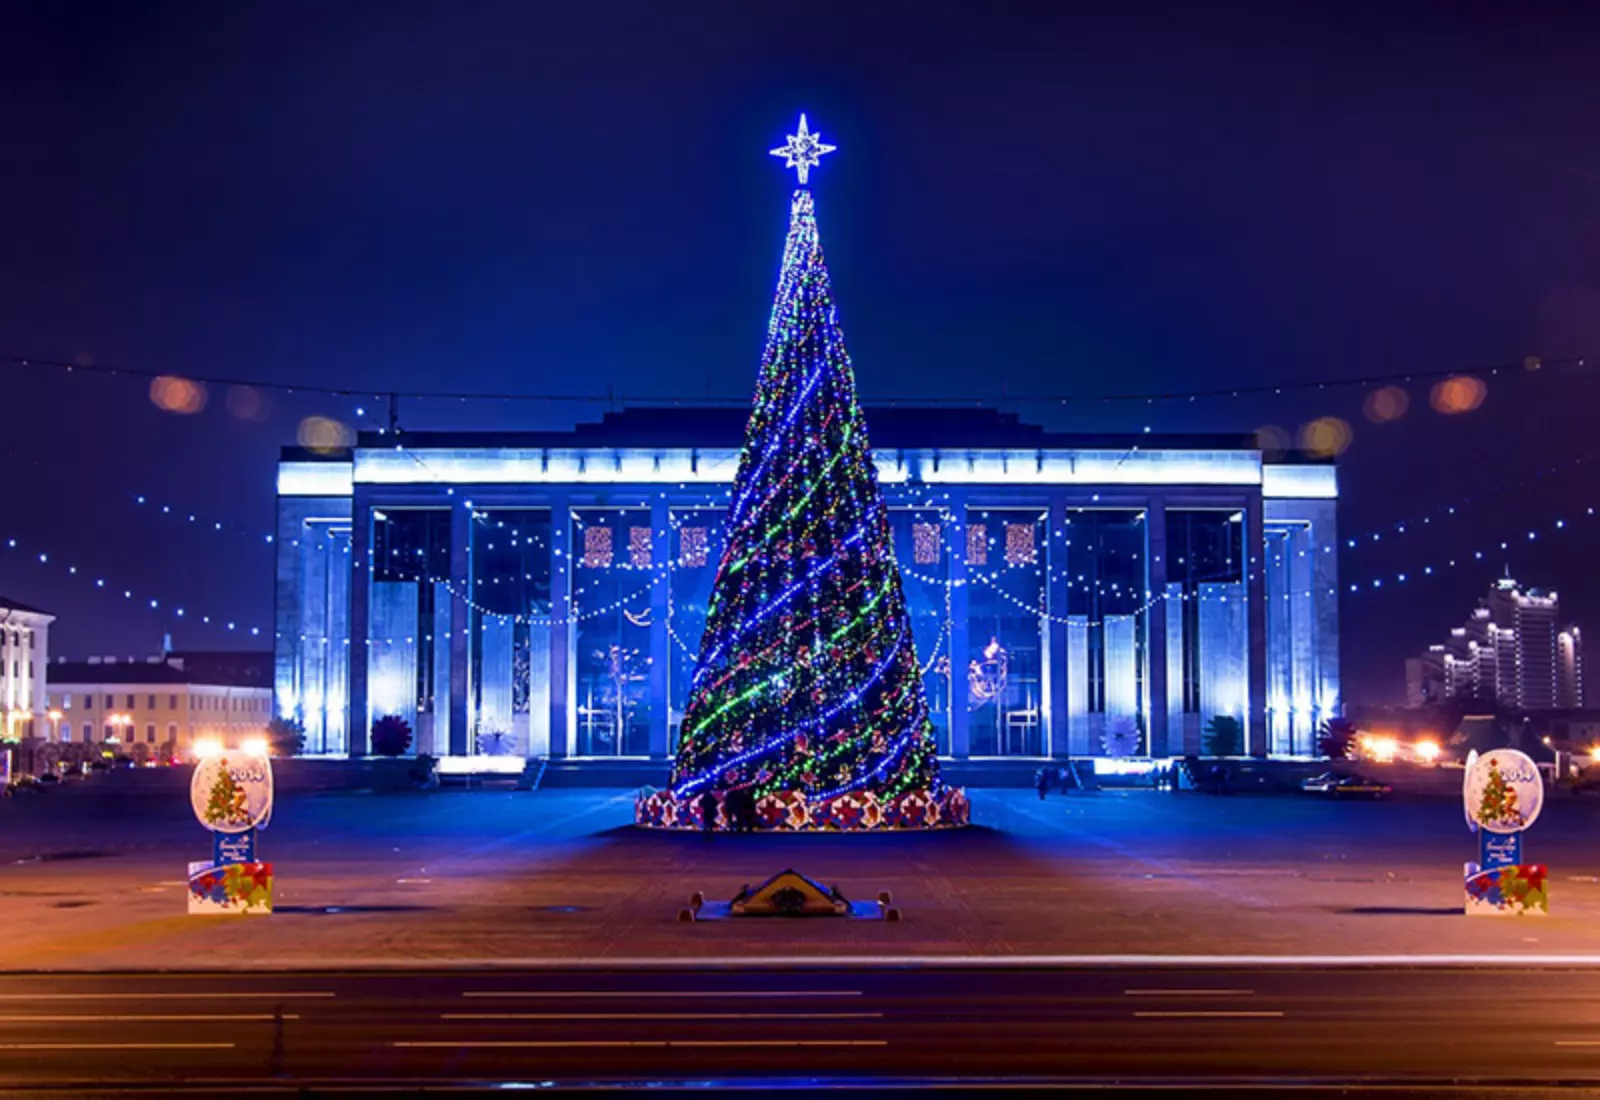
{"x": 1389, "y": 403}
{"x": 177, "y": 395}
{"x": 1272, "y": 441}
{"x": 324, "y": 434}
{"x": 1458, "y": 394}
{"x": 1325, "y": 437}
{"x": 248, "y": 403}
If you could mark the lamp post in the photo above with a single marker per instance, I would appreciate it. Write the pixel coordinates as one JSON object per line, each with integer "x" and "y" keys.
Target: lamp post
{"x": 55, "y": 724}
{"x": 119, "y": 722}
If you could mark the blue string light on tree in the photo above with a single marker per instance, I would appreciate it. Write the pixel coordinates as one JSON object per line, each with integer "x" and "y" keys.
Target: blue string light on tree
{"x": 808, "y": 700}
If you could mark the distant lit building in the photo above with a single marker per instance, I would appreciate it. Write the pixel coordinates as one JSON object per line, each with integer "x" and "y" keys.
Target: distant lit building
{"x": 165, "y": 702}
{"x": 544, "y": 593}
{"x": 24, "y": 649}
{"x": 1510, "y": 652}
{"x": 1569, "y": 669}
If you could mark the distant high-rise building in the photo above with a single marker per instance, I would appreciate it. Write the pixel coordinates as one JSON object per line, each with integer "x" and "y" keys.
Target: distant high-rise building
{"x": 1569, "y": 669}
{"x": 1510, "y": 652}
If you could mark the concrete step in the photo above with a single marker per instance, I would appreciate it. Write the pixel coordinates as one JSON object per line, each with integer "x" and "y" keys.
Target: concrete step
{"x": 560, "y": 774}
{"x": 993, "y": 773}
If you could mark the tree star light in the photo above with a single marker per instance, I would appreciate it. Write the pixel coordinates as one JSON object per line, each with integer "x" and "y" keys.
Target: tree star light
{"x": 803, "y": 152}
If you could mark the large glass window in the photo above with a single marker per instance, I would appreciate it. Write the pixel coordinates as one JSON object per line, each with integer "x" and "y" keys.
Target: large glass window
{"x": 696, "y": 548}
{"x": 922, "y": 545}
{"x": 1006, "y": 551}
{"x": 1106, "y": 619}
{"x": 508, "y": 692}
{"x": 409, "y": 577}
{"x": 611, "y": 580}
{"x": 1207, "y": 624}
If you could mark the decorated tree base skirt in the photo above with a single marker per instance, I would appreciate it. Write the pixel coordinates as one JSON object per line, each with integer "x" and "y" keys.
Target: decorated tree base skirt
{"x": 792, "y": 811}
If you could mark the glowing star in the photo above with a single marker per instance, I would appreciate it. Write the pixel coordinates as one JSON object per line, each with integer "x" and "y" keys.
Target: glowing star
{"x": 804, "y": 151}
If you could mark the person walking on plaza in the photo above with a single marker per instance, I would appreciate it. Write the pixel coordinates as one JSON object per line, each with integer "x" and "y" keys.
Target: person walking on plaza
{"x": 708, "y": 811}
{"x": 1041, "y": 782}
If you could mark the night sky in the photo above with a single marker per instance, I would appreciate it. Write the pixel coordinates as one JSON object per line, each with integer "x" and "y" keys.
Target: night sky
{"x": 1052, "y": 198}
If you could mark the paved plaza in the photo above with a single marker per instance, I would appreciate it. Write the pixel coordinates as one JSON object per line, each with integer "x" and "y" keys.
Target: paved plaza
{"x": 92, "y": 877}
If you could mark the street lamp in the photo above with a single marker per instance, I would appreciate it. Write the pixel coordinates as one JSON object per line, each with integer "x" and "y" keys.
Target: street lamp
{"x": 119, "y": 722}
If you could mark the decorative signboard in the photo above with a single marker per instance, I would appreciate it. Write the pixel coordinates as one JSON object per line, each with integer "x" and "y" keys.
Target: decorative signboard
{"x": 1503, "y": 793}
{"x": 231, "y": 793}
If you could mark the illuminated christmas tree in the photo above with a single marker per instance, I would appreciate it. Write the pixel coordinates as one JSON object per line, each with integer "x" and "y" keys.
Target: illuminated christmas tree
{"x": 807, "y": 678}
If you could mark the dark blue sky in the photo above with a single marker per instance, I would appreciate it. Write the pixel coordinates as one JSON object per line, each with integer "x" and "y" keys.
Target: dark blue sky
{"x": 533, "y": 196}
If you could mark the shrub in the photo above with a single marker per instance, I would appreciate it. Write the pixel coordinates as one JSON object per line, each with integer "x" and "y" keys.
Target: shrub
{"x": 391, "y": 735}
{"x": 287, "y": 736}
{"x": 1224, "y": 736}
{"x": 1337, "y": 739}
{"x": 421, "y": 771}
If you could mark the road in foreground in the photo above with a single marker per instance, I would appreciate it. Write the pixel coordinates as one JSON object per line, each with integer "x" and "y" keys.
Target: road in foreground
{"x": 1132, "y": 1025}
{"x": 93, "y": 880}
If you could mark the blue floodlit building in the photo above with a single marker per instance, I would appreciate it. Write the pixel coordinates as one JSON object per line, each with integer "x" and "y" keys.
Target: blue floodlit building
{"x": 542, "y": 594}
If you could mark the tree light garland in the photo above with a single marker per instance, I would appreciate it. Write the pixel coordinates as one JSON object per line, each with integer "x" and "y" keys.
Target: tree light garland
{"x": 807, "y": 681}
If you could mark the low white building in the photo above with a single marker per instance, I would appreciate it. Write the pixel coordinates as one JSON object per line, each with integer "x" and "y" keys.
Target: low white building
{"x": 166, "y": 702}
{"x": 24, "y": 653}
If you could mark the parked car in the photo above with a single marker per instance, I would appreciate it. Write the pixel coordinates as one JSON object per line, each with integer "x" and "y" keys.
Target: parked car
{"x": 1346, "y": 786}
{"x": 49, "y": 779}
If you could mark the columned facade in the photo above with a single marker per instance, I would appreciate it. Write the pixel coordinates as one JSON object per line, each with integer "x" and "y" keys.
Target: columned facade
{"x": 544, "y": 595}
{"x": 24, "y": 656}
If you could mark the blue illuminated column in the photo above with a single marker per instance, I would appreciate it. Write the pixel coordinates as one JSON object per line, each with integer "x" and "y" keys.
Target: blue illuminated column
{"x": 539, "y": 637}
{"x": 313, "y": 680}
{"x": 1157, "y": 692}
{"x": 443, "y": 681}
{"x": 336, "y": 643}
{"x": 360, "y": 607}
{"x": 1256, "y": 627}
{"x": 1120, "y": 638}
{"x": 1177, "y": 741}
{"x": 497, "y": 665}
{"x": 562, "y": 633}
{"x": 1311, "y": 582}
{"x": 960, "y": 645}
{"x": 1223, "y": 645}
{"x": 1303, "y": 637}
{"x": 1281, "y": 697}
{"x": 1057, "y": 700}
{"x": 392, "y": 657}
{"x": 1078, "y": 685}
{"x": 458, "y": 644}
{"x": 1327, "y": 700}
{"x": 660, "y": 645}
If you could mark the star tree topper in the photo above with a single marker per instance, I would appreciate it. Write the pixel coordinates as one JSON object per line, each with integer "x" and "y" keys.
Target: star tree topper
{"x": 803, "y": 152}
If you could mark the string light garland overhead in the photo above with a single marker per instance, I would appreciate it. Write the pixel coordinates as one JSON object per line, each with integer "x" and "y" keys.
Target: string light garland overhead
{"x": 1005, "y": 395}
